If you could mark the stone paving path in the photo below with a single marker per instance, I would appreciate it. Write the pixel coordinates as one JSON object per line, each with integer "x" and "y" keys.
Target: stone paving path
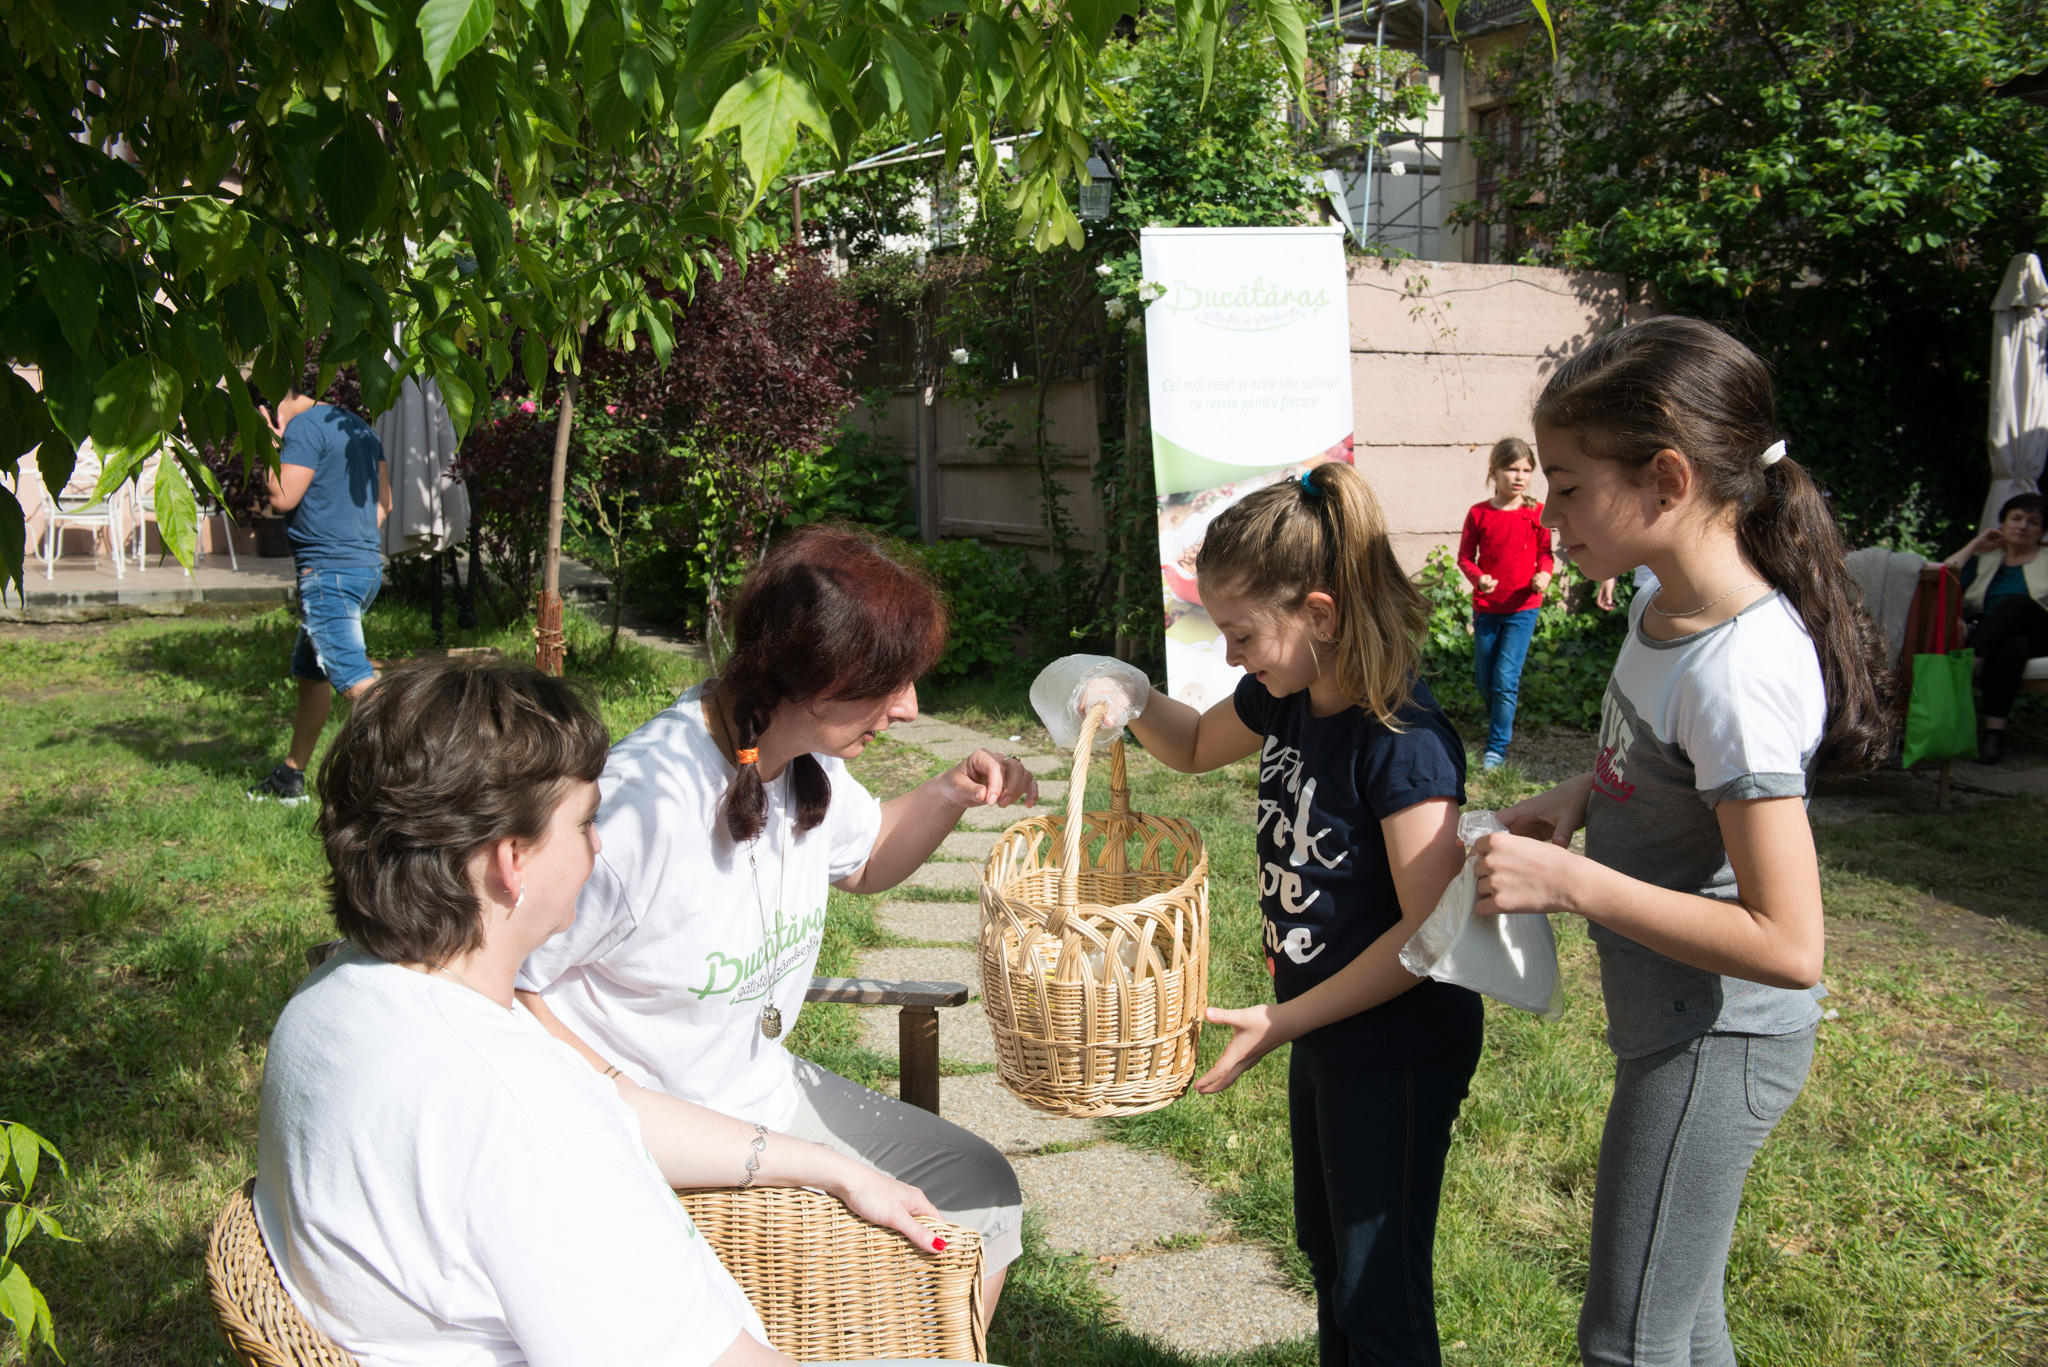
{"x": 1159, "y": 1245}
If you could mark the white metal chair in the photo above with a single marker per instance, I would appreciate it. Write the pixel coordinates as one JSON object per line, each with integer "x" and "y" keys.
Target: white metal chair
{"x": 81, "y": 509}
{"x": 145, "y": 504}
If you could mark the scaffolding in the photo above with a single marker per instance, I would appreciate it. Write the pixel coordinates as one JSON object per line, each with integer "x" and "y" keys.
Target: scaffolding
{"x": 1381, "y": 206}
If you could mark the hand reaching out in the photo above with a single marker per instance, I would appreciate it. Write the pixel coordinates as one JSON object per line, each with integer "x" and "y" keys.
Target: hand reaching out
{"x": 1255, "y": 1037}
{"x": 985, "y": 779}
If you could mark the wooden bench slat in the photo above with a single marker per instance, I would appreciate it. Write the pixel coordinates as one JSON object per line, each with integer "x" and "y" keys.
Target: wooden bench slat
{"x": 886, "y": 992}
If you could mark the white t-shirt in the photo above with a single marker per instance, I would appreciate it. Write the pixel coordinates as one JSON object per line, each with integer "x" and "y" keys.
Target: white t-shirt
{"x": 1731, "y": 713}
{"x": 441, "y": 1182}
{"x": 681, "y": 938}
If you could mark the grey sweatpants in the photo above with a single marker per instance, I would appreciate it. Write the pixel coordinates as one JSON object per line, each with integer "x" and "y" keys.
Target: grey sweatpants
{"x": 1681, "y": 1132}
{"x": 961, "y": 1173}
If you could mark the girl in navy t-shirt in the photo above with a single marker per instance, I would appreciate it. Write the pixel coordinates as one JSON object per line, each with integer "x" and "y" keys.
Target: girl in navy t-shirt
{"x": 1360, "y": 780}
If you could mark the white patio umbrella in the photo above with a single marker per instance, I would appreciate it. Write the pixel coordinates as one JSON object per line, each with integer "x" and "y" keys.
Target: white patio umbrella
{"x": 2018, "y": 431}
{"x": 429, "y": 505}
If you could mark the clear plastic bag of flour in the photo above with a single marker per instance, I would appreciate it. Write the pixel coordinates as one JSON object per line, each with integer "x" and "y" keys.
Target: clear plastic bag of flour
{"x": 1512, "y": 959}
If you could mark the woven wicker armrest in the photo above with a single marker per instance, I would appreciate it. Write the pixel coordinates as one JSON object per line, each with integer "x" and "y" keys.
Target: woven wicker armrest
{"x": 876, "y": 992}
{"x": 830, "y": 1287}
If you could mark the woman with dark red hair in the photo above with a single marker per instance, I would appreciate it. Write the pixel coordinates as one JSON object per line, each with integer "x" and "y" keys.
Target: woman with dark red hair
{"x": 724, "y": 822}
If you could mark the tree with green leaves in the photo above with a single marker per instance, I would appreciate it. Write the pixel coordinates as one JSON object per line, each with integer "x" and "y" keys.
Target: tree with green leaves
{"x": 191, "y": 193}
{"x": 1835, "y": 180}
{"x": 21, "y": 1303}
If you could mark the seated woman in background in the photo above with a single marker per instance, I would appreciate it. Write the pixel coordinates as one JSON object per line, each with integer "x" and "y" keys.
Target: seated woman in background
{"x": 439, "y": 1180}
{"x": 2005, "y": 600}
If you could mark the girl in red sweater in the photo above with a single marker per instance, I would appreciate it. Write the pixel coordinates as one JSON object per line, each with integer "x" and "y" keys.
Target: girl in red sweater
{"x": 1505, "y": 555}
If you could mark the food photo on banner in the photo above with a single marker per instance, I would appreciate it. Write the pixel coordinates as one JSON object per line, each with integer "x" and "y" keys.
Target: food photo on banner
{"x": 1248, "y": 344}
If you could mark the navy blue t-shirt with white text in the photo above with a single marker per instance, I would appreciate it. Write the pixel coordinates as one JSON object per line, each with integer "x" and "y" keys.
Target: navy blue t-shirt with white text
{"x": 1325, "y": 884}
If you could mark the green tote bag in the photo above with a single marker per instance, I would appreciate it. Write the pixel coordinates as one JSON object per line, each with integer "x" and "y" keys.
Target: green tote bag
{"x": 1941, "y": 715}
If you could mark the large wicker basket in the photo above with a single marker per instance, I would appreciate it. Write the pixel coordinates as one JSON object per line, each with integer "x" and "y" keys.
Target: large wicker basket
{"x": 1095, "y": 965}
{"x": 828, "y": 1285}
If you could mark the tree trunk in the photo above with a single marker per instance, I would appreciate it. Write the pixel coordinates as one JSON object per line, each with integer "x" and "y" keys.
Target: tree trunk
{"x": 1137, "y": 465}
{"x": 547, "y": 632}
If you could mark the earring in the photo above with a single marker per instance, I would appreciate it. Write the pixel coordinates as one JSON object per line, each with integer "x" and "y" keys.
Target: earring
{"x": 520, "y": 900}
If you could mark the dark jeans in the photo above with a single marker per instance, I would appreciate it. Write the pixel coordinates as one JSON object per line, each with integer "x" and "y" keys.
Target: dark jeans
{"x": 2012, "y": 631}
{"x": 1500, "y": 643}
{"x": 1369, "y": 1154}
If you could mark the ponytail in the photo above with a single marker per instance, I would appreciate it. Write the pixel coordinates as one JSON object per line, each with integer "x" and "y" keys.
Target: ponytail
{"x": 826, "y": 616}
{"x": 1325, "y": 532}
{"x": 1788, "y": 532}
{"x": 1683, "y": 385}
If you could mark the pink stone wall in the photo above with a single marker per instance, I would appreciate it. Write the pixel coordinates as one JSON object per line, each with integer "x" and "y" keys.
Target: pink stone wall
{"x": 1446, "y": 359}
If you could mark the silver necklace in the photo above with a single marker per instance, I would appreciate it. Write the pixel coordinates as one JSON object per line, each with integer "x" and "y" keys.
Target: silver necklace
{"x": 1694, "y": 612}
{"x": 771, "y": 1014}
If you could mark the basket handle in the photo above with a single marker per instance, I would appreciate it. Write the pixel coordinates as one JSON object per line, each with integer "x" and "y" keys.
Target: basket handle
{"x": 1076, "y": 823}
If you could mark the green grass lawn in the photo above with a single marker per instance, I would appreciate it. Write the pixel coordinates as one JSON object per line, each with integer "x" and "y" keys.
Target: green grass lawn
{"x": 153, "y": 921}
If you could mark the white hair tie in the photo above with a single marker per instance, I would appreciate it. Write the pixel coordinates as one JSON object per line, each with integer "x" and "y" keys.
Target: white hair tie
{"x": 1772, "y": 454}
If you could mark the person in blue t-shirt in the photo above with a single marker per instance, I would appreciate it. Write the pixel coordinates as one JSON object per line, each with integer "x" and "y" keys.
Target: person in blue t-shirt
{"x": 1360, "y": 781}
{"x": 334, "y": 490}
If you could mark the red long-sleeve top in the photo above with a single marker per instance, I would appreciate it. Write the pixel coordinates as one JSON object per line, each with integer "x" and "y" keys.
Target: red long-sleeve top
{"x": 1513, "y": 546}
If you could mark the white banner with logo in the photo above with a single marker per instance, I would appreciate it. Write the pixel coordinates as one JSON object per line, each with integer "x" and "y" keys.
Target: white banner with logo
{"x": 1249, "y": 350}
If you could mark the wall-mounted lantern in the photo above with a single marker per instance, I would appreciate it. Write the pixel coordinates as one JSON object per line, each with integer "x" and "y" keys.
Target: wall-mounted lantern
{"x": 1100, "y": 190}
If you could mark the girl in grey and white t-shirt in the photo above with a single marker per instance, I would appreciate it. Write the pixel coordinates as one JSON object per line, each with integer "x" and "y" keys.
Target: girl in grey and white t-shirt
{"x": 1746, "y": 671}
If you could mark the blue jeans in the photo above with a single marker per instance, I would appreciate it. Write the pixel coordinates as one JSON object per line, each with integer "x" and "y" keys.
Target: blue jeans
{"x": 1500, "y": 643}
{"x": 330, "y": 645}
{"x": 1369, "y": 1152}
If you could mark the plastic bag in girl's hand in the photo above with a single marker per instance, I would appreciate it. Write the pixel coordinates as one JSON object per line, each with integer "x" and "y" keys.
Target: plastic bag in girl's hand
{"x": 1509, "y": 958}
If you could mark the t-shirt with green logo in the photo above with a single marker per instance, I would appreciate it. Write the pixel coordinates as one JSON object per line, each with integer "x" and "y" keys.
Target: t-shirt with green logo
{"x": 681, "y": 938}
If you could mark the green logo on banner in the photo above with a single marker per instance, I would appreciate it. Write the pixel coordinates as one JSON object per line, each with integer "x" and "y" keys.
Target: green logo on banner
{"x": 1176, "y": 470}
{"x": 1257, "y": 307}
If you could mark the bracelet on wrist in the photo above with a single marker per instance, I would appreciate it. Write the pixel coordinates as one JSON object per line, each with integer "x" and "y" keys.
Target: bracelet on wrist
{"x": 760, "y": 1145}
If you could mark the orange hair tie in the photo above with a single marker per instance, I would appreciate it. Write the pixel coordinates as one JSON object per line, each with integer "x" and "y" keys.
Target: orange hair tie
{"x": 746, "y": 756}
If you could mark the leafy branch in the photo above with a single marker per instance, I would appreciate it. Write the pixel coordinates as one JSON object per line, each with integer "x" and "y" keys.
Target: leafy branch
{"x": 21, "y": 1303}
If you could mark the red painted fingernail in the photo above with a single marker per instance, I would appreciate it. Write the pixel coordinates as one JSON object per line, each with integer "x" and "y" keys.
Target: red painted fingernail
{"x": 939, "y": 1244}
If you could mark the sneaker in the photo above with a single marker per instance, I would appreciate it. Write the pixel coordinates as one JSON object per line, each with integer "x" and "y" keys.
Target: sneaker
{"x": 1991, "y": 749}
{"x": 1491, "y": 762}
{"x": 285, "y": 786}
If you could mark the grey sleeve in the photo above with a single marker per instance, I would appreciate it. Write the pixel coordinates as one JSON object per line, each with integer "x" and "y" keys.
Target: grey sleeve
{"x": 1754, "y": 786}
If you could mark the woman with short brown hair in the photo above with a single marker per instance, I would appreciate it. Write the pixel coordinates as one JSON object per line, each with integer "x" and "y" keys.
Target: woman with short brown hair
{"x": 438, "y": 1180}
{"x": 726, "y": 820}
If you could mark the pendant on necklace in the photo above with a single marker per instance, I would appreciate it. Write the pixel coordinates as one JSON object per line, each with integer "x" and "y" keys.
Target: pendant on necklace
{"x": 771, "y": 1021}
